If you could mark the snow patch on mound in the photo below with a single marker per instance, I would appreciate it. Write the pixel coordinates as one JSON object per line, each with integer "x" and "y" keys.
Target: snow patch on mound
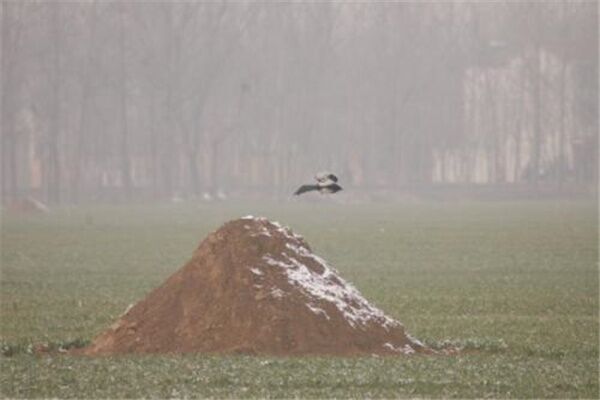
{"x": 325, "y": 285}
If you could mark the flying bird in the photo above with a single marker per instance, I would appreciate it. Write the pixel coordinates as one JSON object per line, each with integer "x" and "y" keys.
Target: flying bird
{"x": 326, "y": 183}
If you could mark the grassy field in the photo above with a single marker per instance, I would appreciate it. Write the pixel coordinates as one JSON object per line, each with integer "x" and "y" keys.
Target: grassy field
{"x": 515, "y": 284}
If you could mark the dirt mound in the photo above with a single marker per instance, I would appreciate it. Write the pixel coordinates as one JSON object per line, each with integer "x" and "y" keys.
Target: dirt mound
{"x": 27, "y": 205}
{"x": 255, "y": 287}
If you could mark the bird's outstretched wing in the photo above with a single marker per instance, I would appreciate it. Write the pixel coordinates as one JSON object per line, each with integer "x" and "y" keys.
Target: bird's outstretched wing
{"x": 332, "y": 187}
{"x": 326, "y": 176}
{"x": 306, "y": 188}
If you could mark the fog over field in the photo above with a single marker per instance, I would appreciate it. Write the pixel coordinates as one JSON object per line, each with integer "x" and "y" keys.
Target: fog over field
{"x": 464, "y": 136}
{"x": 120, "y": 101}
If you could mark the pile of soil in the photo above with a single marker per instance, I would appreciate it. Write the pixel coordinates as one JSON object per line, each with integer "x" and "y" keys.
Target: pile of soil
{"x": 255, "y": 287}
{"x": 27, "y": 205}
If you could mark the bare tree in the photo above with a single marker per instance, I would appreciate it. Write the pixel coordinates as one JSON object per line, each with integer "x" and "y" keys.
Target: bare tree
{"x": 12, "y": 27}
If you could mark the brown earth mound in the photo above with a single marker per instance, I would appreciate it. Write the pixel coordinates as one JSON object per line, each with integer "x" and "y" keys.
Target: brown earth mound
{"x": 27, "y": 205}
{"x": 255, "y": 287}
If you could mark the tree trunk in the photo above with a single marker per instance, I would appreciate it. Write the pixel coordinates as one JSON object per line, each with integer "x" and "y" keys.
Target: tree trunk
{"x": 124, "y": 144}
{"x": 560, "y": 170}
{"x": 53, "y": 176}
{"x": 81, "y": 139}
{"x": 9, "y": 40}
{"x": 214, "y": 184}
{"x": 154, "y": 153}
{"x": 194, "y": 177}
{"x": 167, "y": 148}
{"x": 537, "y": 111}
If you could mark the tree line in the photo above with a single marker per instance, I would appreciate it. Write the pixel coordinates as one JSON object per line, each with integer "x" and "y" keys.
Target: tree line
{"x": 124, "y": 100}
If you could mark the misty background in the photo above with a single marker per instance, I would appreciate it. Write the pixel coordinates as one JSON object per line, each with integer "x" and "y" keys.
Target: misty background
{"x": 136, "y": 101}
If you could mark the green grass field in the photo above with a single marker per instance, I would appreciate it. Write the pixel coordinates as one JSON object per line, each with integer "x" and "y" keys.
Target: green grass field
{"x": 515, "y": 284}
